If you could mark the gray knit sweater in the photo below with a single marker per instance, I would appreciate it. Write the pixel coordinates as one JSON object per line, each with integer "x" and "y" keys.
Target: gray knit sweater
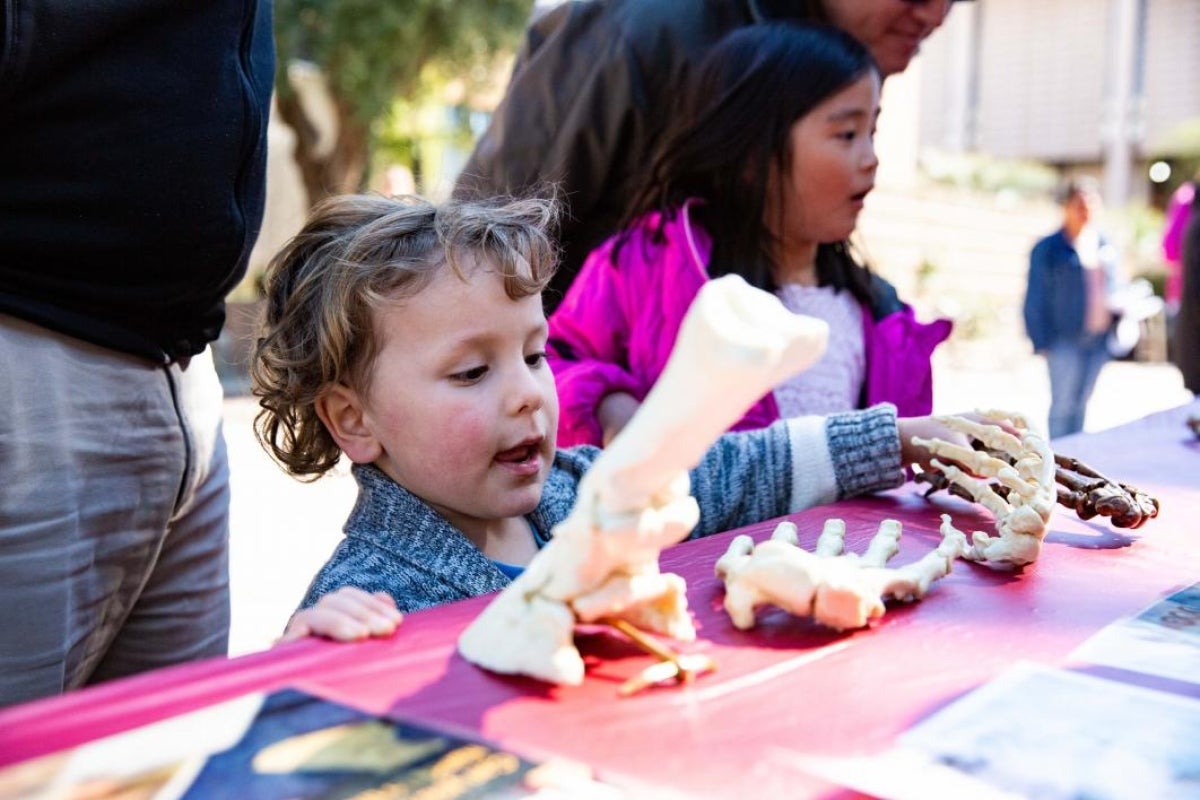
{"x": 397, "y": 544}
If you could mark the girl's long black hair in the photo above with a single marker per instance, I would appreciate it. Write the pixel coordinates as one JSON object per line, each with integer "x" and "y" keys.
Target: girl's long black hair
{"x": 733, "y": 125}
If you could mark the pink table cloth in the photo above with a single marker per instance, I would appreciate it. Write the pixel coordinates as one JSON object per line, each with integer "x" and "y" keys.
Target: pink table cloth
{"x": 783, "y": 688}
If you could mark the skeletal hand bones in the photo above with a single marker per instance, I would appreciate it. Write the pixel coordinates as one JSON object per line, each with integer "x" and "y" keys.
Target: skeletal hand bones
{"x": 839, "y": 590}
{"x": 1090, "y": 493}
{"x": 735, "y": 343}
{"x": 1024, "y": 494}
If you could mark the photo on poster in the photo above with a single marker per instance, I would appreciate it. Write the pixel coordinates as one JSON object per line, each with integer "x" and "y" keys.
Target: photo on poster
{"x": 1053, "y": 734}
{"x": 288, "y": 744}
{"x": 1162, "y": 640}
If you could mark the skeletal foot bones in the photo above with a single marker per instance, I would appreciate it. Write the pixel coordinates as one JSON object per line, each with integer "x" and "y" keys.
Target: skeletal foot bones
{"x": 597, "y": 567}
{"x": 1012, "y": 476}
{"x": 839, "y": 590}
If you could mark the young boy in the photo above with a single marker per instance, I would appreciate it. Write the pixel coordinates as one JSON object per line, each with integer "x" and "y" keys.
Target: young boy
{"x": 411, "y": 338}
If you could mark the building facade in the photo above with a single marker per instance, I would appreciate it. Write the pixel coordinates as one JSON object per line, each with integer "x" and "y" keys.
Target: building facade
{"x": 1103, "y": 86}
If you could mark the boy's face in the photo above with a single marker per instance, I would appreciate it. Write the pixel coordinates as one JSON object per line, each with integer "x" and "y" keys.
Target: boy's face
{"x": 462, "y": 403}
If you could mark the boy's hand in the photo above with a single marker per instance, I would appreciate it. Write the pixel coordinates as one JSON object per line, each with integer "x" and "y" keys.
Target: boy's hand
{"x": 347, "y": 615}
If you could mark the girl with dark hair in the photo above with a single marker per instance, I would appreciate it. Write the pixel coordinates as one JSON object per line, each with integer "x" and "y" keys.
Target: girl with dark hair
{"x": 763, "y": 174}
{"x": 594, "y": 89}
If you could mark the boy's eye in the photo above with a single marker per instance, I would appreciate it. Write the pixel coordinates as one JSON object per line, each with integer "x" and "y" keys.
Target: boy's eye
{"x": 536, "y": 359}
{"x": 469, "y": 375}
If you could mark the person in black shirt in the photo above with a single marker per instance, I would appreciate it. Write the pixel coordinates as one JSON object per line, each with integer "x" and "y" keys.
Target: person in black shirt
{"x": 132, "y": 182}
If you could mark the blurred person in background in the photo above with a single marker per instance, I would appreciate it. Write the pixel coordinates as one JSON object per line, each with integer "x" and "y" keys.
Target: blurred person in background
{"x": 1179, "y": 212}
{"x": 594, "y": 87}
{"x": 132, "y": 181}
{"x": 1186, "y": 335}
{"x": 1072, "y": 273}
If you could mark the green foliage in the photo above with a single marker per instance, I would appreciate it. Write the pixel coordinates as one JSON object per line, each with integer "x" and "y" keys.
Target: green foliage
{"x": 927, "y": 270}
{"x": 1181, "y": 141}
{"x": 988, "y": 174}
{"x": 373, "y": 51}
{"x": 1138, "y": 229}
{"x": 1182, "y": 169}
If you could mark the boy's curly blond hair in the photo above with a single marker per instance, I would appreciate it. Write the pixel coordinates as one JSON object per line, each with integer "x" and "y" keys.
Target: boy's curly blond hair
{"x": 355, "y": 254}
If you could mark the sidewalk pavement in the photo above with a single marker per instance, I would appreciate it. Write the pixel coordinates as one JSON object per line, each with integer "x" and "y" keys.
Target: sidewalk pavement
{"x": 282, "y": 530}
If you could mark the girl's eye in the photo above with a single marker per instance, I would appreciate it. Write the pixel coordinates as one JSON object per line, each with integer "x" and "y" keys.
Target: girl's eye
{"x": 469, "y": 375}
{"x": 847, "y": 136}
{"x": 536, "y": 359}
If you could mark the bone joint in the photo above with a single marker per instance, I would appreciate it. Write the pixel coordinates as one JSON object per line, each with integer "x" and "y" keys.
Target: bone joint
{"x": 840, "y": 590}
{"x": 734, "y": 345}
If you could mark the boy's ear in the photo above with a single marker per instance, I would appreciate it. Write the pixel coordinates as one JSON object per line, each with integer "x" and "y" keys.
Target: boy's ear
{"x": 341, "y": 410}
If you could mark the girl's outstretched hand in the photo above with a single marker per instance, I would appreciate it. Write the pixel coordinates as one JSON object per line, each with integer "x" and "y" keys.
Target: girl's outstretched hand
{"x": 932, "y": 427}
{"x": 347, "y": 615}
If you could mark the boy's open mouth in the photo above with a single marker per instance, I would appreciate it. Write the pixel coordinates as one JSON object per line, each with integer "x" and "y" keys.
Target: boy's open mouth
{"x": 519, "y": 454}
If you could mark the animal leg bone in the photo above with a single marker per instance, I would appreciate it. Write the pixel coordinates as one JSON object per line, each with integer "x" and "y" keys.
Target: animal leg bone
{"x": 735, "y": 343}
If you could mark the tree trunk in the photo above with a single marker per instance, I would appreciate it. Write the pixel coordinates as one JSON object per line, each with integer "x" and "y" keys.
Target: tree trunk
{"x": 340, "y": 171}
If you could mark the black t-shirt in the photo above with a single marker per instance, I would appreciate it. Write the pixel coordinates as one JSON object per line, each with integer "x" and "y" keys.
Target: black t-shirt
{"x": 132, "y": 165}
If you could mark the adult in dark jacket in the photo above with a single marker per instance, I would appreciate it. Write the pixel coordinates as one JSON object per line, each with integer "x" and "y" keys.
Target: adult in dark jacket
{"x": 1072, "y": 273}
{"x": 132, "y": 180}
{"x": 594, "y": 87}
{"x": 1186, "y": 336}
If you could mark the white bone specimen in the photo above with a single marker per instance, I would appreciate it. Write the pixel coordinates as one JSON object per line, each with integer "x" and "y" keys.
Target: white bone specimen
{"x": 1024, "y": 512}
{"x": 839, "y": 590}
{"x": 735, "y": 343}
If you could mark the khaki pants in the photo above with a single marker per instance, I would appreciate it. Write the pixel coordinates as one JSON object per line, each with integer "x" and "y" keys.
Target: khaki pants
{"x": 114, "y": 513}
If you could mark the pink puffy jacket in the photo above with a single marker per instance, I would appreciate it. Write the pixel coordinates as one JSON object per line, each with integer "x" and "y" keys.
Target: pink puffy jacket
{"x": 617, "y": 324}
